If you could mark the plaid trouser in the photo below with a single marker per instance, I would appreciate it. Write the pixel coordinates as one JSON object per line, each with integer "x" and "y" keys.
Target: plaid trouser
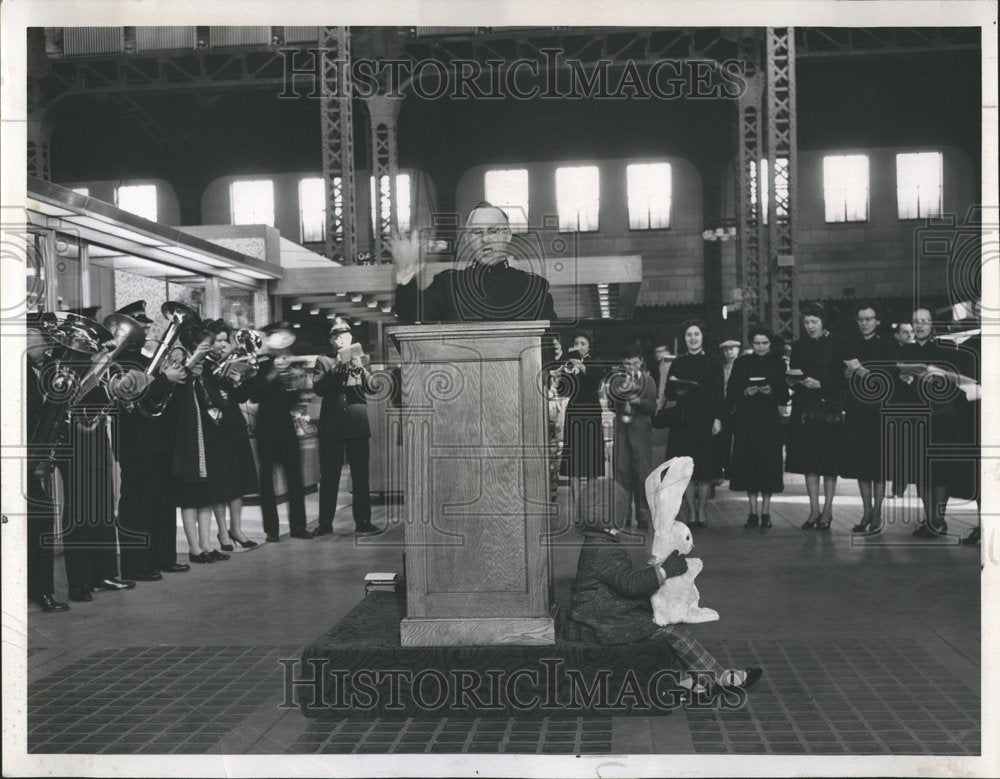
{"x": 693, "y": 656}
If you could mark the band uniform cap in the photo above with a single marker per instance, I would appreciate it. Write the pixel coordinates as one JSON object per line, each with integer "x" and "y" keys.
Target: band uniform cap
{"x": 340, "y": 325}
{"x": 730, "y": 342}
{"x": 137, "y": 311}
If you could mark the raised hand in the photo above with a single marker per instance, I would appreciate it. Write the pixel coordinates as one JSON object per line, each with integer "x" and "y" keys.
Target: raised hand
{"x": 406, "y": 260}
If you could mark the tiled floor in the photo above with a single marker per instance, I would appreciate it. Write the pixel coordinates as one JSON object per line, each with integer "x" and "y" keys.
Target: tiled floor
{"x": 869, "y": 648}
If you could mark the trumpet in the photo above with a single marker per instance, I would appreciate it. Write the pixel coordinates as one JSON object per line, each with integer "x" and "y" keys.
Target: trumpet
{"x": 177, "y": 314}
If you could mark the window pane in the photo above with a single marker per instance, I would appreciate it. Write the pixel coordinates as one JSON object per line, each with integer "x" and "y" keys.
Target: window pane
{"x": 578, "y": 198}
{"x": 508, "y": 190}
{"x": 918, "y": 184}
{"x": 845, "y": 188}
{"x": 649, "y": 195}
{"x": 139, "y": 199}
{"x": 252, "y": 202}
{"x": 403, "y": 216}
{"x": 312, "y": 209}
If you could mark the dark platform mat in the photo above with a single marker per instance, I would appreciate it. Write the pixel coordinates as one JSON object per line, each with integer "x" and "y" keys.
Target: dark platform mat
{"x": 358, "y": 668}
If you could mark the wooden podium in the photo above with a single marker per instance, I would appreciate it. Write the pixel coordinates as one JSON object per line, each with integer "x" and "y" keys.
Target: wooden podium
{"x": 475, "y": 454}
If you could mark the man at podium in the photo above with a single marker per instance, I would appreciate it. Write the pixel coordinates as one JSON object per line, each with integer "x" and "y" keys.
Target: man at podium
{"x": 483, "y": 288}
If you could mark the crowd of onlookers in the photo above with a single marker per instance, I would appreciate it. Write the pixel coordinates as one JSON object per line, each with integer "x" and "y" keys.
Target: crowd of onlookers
{"x": 886, "y": 410}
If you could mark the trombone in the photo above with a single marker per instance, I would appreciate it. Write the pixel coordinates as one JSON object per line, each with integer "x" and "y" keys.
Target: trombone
{"x": 177, "y": 313}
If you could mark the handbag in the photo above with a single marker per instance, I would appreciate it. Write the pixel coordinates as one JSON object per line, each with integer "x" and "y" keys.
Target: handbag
{"x": 823, "y": 413}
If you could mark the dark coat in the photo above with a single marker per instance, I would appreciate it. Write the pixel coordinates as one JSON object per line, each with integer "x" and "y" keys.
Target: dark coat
{"x": 696, "y": 410}
{"x": 135, "y": 434}
{"x": 477, "y": 293}
{"x": 816, "y": 449}
{"x": 344, "y": 413}
{"x": 756, "y": 463}
{"x": 864, "y": 437}
{"x": 274, "y": 402}
{"x": 609, "y": 596}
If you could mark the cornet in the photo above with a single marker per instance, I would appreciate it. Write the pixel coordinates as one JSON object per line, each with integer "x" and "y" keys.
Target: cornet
{"x": 245, "y": 350}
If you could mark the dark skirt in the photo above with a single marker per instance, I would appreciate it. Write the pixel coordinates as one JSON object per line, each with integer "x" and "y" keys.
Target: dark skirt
{"x": 232, "y": 472}
{"x": 756, "y": 458}
{"x": 696, "y": 441}
{"x": 812, "y": 449}
{"x": 191, "y": 494}
{"x": 583, "y": 443}
{"x": 863, "y": 446}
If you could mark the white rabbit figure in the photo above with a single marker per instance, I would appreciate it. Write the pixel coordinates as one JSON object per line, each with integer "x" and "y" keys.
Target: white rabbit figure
{"x": 677, "y": 599}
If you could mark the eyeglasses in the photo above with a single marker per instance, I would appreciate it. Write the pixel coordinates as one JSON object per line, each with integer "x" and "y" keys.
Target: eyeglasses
{"x": 489, "y": 232}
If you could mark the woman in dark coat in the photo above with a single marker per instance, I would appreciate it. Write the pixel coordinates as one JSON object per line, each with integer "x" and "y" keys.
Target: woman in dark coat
{"x": 583, "y": 436}
{"x": 189, "y": 458}
{"x": 870, "y": 362}
{"x": 815, "y": 450}
{"x": 695, "y": 416}
{"x": 231, "y": 467}
{"x": 754, "y": 393}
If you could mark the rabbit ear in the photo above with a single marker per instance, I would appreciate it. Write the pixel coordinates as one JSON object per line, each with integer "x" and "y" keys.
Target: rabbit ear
{"x": 653, "y": 488}
{"x": 665, "y": 490}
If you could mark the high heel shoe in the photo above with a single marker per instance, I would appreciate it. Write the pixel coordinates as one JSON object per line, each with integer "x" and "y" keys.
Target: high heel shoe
{"x": 248, "y": 544}
{"x": 863, "y": 526}
{"x": 224, "y": 547}
{"x": 810, "y": 523}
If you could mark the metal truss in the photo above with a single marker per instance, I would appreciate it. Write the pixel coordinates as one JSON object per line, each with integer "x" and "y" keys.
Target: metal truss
{"x": 382, "y": 113}
{"x": 752, "y": 239}
{"x": 337, "y": 124}
{"x": 847, "y": 41}
{"x": 781, "y": 155}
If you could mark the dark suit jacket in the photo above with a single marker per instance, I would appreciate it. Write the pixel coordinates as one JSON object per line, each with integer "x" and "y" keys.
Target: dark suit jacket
{"x": 135, "y": 434}
{"x": 344, "y": 413}
{"x": 609, "y": 596}
{"x": 274, "y": 402}
{"x": 477, "y": 293}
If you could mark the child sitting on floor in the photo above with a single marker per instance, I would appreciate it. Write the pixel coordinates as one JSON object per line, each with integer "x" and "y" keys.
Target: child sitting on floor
{"x": 612, "y": 599}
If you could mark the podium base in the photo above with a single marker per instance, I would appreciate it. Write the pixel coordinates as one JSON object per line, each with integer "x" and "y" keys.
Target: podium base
{"x": 482, "y": 631}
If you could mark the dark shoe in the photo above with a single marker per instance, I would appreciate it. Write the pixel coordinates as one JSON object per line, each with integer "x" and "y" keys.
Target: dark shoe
{"x": 765, "y": 521}
{"x": 224, "y": 547}
{"x": 176, "y": 568}
{"x": 366, "y": 530}
{"x": 753, "y": 676}
{"x": 809, "y": 524}
{"x": 300, "y": 534}
{"x": 972, "y": 539}
{"x": 273, "y": 538}
{"x": 111, "y": 584}
{"x": 248, "y": 544}
{"x": 939, "y": 530}
{"x": 923, "y": 531}
{"x": 863, "y": 526}
{"x": 48, "y": 603}
{"x": 321, "y": 531}
{"x": 875, "y": 526}
{"x": 698, "y": 523}
{"x": 751, "y": 522}
{"x": 215, "y": 554}
{"x": 200, "y": 558}
{"x": 142, "y": 577}
{"x": 79, "y": 594}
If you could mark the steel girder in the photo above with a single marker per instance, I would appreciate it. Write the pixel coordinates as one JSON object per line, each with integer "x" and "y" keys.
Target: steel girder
{"x": 782, "y": 167}
{"x": 337, "y": 126}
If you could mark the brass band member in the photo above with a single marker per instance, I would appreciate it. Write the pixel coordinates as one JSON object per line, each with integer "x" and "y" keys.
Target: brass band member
{"x": 277, "y": 441}
{"x": 231, "y": 470}
{"x": 342, "y": 380}
{"x": 146, "y": 509}
{"x": 190, "y": 456}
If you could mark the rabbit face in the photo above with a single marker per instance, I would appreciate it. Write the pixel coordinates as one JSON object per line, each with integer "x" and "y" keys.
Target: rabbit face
{"x": 676, "y": 536}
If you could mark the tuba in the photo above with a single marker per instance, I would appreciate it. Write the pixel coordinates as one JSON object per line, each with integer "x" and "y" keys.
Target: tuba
{"x": 127, "y": 333}
{"x": 75, "y": 344}
{"x": 177, "y": 314}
